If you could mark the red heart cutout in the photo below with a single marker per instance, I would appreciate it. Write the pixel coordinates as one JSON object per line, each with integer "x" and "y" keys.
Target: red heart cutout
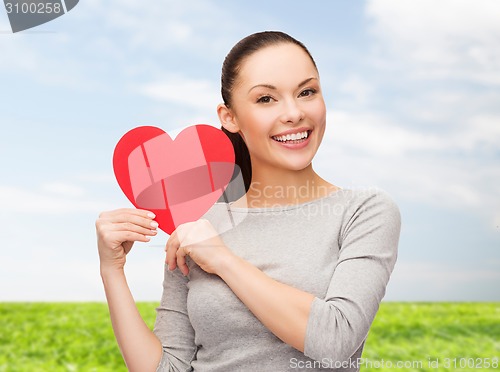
{"x": 178, "y": 180}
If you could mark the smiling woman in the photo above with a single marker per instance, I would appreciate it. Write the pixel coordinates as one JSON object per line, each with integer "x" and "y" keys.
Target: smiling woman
{"x": 264, "y": 90}
{"x": 297, "y": 283}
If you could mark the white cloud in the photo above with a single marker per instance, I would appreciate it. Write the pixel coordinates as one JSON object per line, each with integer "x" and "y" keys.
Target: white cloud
{"x": 133, "y": 39}
{"x": 53, "y": 199}
{"x": 445, "y": 38}
{"x": 96, "y": 177}
{"x": 63, "y": 189}
{"x": 440, "y": 144}
{"x": 363, "y": 149}
{"x": 496, "y": 221}
{"x": 450, "y": 107}
{"x": 357, "y": 88}
{"x": 432, "y": 281}
{"x": 12, "y": 49}
{"x": 482, "y": 131}
{"x": 376, "y": 134}
{"x": 27, "y": 56}
{"x": 49, "y": 279}
{"x": 198, "y": 94}
{"x": 159, "y": 26}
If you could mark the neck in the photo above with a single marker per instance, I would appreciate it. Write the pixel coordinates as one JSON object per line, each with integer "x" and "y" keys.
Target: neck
{"x": 283, "y": 186}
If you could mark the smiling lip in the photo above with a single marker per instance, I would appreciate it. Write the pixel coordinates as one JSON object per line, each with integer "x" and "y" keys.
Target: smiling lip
{"x": 293, "y": 131}
{"x": 295, "y": 146}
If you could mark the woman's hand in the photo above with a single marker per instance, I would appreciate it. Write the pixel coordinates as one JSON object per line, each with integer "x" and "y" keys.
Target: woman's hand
{"x": 200, "y": 241}
{"x": 118, "y": 230}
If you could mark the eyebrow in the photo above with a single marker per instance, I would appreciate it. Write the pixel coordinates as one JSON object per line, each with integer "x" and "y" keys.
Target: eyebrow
{"x": 269, "y": 86}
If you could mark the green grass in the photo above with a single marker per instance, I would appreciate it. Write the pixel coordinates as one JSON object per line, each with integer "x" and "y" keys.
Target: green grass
{"x": 79, "y": 337}
{"x": 457, "y": 334}
{"x": 61, "y": 337}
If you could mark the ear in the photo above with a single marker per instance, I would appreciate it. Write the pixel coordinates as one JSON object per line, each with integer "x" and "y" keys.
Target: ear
{"x": 227, "y": 119}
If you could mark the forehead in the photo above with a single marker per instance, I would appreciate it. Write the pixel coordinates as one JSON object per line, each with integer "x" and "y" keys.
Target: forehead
{"x": 284, "y": 62}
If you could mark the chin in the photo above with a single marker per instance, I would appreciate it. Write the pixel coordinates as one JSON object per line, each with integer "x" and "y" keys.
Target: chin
{"x": 297, "y": 166}
{"x": 299, "y": 162}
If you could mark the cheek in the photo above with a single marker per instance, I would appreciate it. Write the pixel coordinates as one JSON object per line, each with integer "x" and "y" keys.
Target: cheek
{"x": 317, "y": 114}
{"x": 320, "y": 112}
{"x": 265, "y": 117}
{"x": 258, "y": 123}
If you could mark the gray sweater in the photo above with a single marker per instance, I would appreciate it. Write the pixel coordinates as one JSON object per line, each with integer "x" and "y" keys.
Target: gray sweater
{"x": 342, "y": 248}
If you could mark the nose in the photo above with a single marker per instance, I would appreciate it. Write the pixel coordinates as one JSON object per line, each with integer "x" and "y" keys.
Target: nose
{"x": 292, "y": 113}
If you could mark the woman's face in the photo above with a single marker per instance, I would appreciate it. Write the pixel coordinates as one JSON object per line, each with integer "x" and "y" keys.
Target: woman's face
{"x": 277, "y": 93}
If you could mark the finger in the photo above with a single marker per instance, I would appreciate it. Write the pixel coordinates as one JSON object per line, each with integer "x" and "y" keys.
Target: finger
{"x": 128, "y": 217}
{"x": 141, "y": 218}
{"x": 183, "y": 231}
{"x": 172, "y": 247}
{"x": 196, "y": 232}
{"x": 181, "y": 259}
{"x": 131, "y": 236}
{"x": 144, "y": 222}
{"x": 133, "y": 211}
{"x": 119, "y": 237}
{"x": 128, "y": 226}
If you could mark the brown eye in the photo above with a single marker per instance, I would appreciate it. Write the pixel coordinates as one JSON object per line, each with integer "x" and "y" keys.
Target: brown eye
{"x": 264, "y": 99}
{"x": 307, "y": 93}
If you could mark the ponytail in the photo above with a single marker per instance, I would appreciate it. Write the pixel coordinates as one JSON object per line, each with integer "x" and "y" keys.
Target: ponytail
{"x": 242, "y": 157}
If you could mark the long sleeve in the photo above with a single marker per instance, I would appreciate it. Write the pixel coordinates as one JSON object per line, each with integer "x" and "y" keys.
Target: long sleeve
{"x": 172, "y": 325}
{"x": 339, "y": 323}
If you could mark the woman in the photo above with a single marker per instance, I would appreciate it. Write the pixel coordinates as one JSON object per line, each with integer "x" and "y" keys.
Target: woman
{"x": 297, "y": 283}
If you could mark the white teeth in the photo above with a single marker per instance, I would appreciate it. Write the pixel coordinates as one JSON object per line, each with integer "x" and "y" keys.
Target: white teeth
{"x": 292, "y": 137}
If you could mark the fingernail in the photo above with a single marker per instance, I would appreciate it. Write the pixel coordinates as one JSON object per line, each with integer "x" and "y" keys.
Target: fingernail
{"x": 153, "y": 231}
{"x": 147, "y": 237}
{"x": 151, "y": 214}
{"x": 154, "y": 224}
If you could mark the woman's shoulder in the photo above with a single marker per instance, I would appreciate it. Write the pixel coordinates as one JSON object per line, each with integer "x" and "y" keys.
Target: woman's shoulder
{"x": 369, "y": 195}
{"x": 375, "y": 201}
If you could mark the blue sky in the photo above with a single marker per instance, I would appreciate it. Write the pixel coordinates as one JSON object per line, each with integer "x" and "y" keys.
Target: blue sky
{"x": 412, "y": 90}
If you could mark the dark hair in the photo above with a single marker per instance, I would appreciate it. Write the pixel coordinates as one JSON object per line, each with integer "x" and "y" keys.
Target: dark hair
{"x": 230, "y": 70}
